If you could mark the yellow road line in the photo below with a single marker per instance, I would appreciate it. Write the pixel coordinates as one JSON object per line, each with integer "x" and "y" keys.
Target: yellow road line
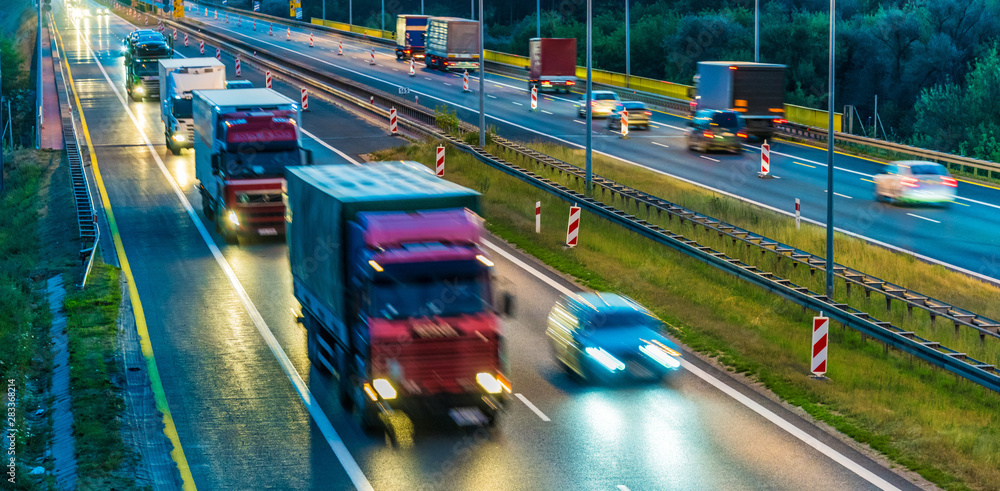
{"x": 835, "y": 151}
{"x": 957, "y": 203}
{"x": 977, "y": 183}
{"x": 868, "y": 180}
{"x": 804, "y": 165}
{"x": 140, "y": 318}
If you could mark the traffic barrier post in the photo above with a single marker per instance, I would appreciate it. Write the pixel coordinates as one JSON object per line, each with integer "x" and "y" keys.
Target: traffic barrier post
{"x": 573, "y": 229}
{"x": 218, "y": 54}
{"x": 538, "y": 217}
{"x": 413, "y": 70}
{"x": 185, "y": 40}
{"x": 267, "y": 79}
{"x": 392, "y": 121}
{"x": 305, "y": 100}
{"x": 534, "y": 97}
{"x": 201, "y": 47}
{"x": 624, "y": 124}
{"x": 310, "y": 40}
{"x": 439, "y": 167}
{"x": 820, "y": 339}
{"x": 465, "y": 81}
{"x": 238, "y": 70}
{"x": 765, "y": 161}
{"x": 372, "y": 62}
{"x": 340, "y": 49}
{"x": 798, "y": 215}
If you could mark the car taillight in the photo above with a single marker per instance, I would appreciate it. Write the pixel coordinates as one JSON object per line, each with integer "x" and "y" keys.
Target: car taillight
{"x": 949, "y": 181}
{"x": 741, "y": 134}
{"x": 780, "y": 121}
{"x": 708, "y": 134}
{"x": 647, "y": 113}
{"x": 909, "y": 182}
{"x": 570, "y": 83}
{"x": 593, "y": 103}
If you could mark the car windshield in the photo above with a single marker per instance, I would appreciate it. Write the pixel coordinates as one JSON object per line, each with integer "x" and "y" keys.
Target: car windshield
{"x": 436, "y": 296}
{"x": 634, "y": 106}
{"x": 600, "y": 321}
{"x": 726, "y": 120}
{"x": 928, "y": 170}
{"x": 604, "y": 97}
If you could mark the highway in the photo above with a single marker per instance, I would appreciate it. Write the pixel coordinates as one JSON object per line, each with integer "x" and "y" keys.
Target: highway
{"x": 251, "y": 413}
{"x": 952, "y": 235}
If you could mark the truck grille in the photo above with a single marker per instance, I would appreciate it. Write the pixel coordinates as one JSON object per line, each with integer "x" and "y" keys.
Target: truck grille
{"x": 437, "y": 365}
{"x": 257, "y": 198}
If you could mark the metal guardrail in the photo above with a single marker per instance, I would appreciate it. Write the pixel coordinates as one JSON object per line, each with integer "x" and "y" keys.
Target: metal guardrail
{"x": 86, "y": 216}
{"x": 422, "y": 120}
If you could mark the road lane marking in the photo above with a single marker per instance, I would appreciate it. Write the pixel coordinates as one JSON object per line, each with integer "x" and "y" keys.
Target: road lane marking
{"x": 674, "y": 127}
{"x": 491, "y": 96}
{"x": 330, "y": 434}
{"x": 446, "y": 83}
{"x": 532, "y": 407}
{"x": 581, "y": 122}
{"x": 517, "y": 103}
{"x": 622, "y": 487}
{"x": 428, "y": 78}
{"x": 923, "y": 218}
{"x": 709, "y": 158}
{"x": 957, "y": 203}
{"x": 329, "y": 147}
{"x": 660, "y": 144}
{"x": 804, "y": 165}
{"x": 725, "y": 388}
{"x": 838, "y": 194}
{"x": 546, "y": 112}
{"x": 702, "y": 185}
{"x": 156, "y": 385}
{"x": 868, "y": 180}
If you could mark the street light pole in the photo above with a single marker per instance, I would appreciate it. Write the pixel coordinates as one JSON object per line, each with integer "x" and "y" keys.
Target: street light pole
{"x": 324, "y": 9}
{"x": 756, "y": 31}
{"x": 421, "y": 7}
{"x": 628, "y": 49}
{"x": 538, "y": 18}
{"x": 383, "y": 15}
{"x": 350, "y": 12}
{"x": 587, "y": 104}
{"x": 38, "y": 75}
{"x": 482, "y": 80}
{"x": 829, "y": 159}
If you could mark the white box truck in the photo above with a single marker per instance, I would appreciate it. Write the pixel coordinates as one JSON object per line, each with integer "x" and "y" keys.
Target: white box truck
{"x": 179, "y": 77}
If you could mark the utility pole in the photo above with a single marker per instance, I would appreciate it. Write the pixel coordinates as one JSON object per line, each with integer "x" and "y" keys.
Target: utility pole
{"x": 756, "y": 31}
{"x": 383, "y": 15}
{"x": 421, "y": 7}
{"x": 350, "y": 12}
{"x": 482, "y": 80}
{"x": 587, "y": 101}
{"x": 324, "y": 9}
{"x": 473, "y": 8}
{"x": 38, "y": 75}
{"x": 538, "y": 18}
{"x": 628, "y": 49}
{"x": 2, "y": 134}
{"x": 829, "y": 160}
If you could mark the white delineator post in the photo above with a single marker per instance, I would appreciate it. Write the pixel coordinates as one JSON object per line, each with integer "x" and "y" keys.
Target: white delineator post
{"x": 185, "y": 39}
{"x": 227, "y": 17}
{"x": 201, "y": 47}
{"x": 372, "y": 60}
{"x": 288, "y": 34}
{"x": 413, "y": 70}
{"x": 305, "y": 100}
{"x": 765, "y": 161}
{"x": 216, "y": 14}
{"x": 310, "y": 40}
{"x": 255, "y": 24}
{"x": 439, "y": 167}
{"x": 340, "y": 49}
{"x": 538, "y": 217}
{"x": 267, "y": 79}
{"x": 798, "y": 214}
{"x": 371, "y": 100}
{"x": 270, "y": 29}
{"x": 238, "y": 71}
{"x": 573, "y": 229}
{"x": 239, "y": 21}
{"x": 534, "y": 98}
{"x": 392, "y": 121}
{"x": 820, "y": 338}
{"x": 465, "y": 81}
{"x": 218, "y": 54}
{"x": 624, "y": 123}
{"x": 175, "y": 34}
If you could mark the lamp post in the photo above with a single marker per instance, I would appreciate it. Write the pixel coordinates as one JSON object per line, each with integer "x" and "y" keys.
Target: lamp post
{"x": 829, "y": 158}
{"x": 383, "y": 15}
{"x": 756, "y": 31}
{"x": 39, "y": 97}
{"x": 587, "y": 104}
{"x": 538, "y": 18}
{"x": 350, "y": 12}
{"x": 482, "y": 80}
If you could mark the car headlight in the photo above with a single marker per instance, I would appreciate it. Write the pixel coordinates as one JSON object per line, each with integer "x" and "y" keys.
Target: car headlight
{"x": 233, "y": 218}
{"x": 491, "y": 384}
{"x": 660, "y": 354}
{"x": 384, "y": 388}
{"x": 179, "y": 137}
{"x": 605, "y": 358}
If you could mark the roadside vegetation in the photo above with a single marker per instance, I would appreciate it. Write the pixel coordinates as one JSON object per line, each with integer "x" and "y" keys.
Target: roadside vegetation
{"x": 923, "y": 418}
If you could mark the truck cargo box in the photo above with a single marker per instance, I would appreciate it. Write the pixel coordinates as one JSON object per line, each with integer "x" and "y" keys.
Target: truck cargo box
{"x": 453, "y": 36}
{"x": 553, "y": 57}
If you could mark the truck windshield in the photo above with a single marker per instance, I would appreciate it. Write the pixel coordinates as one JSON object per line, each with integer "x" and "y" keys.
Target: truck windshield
{"x": 439, "y": 296}
{"x": 145, "y": 68}
{"x": 182, "y": 108}
{"x": 260, "y": 163}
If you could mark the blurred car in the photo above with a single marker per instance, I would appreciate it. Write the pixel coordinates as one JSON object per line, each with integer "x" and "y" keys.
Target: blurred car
{"x": 605, "y": 337}
{"x": 716, "y": 130}
{"x": 103, "y": 11}
{"x": 602, "y": 102}
{"x": 638, "y": 115}
{"x": 239, "y": 84}
{"x": 914, "y": 181}
{"x": 81, "y": 12}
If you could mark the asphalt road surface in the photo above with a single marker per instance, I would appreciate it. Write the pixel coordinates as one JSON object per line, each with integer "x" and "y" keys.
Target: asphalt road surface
{"x": 252, "y": 414}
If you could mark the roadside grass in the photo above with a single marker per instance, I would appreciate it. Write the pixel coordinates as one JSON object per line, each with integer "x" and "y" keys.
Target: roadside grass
{"x": 95, "y": 378}
{"x": 25, "y": 357}
{"x": 901, "y": 269}
{"x": 927, "y": 420}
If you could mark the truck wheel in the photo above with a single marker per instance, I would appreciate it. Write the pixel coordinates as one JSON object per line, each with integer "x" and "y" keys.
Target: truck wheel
{"x": 206, "y": 207}
{"x": 228, "y": 235}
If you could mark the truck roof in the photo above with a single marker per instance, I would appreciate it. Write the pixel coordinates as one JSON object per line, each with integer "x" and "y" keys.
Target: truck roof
{"x": 190, "y": 62}
{"x": 243, "y": 97}
{"x": 740, "y": 64}
{"x": 413, "y": 16}
{"x": 378, "y": 181}
{"x": 453, "y": 19}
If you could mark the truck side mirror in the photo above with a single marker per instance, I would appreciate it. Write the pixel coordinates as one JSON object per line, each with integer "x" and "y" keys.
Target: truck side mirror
{"x": 506, "y": 304}
{"x": 215, "y": 164}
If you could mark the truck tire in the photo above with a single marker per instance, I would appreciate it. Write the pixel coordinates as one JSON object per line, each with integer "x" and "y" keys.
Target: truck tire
{"x": 174, "y": 149}
{"x": 228, "y": 235}
{"x": 206, "y": 206}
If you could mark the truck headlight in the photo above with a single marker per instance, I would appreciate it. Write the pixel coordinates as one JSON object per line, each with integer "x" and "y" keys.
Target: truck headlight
{"x": 233, "y": 218}
{"x": 139, "y": 89}
{"x": 605, "y": 358}
{"x": 660, "y": 355}
{"x": 384, "y": 388}
{"x": 179, "y": 137}
{"x": 491, "y": 384}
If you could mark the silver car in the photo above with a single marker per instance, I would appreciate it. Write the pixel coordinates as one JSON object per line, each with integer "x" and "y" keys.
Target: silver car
{"x": 915, "y": 181}
{"x": 638, "y": 115}
{"x": 602, "y": 102}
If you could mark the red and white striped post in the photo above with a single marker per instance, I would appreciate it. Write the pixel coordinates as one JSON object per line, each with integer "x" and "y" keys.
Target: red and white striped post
{"x": 573, "y": 229}
{"x": 238, "y": 68}
{"x": 392, "y": 121}
{"x": 372, "y": 61}
{"x": 534, "y": 97}
{"x": 305, "y": 100}
{"x": 765, "y": 161}
{"x": 239, "y": 21}
{"x": 270, "y": 30}
{"x": 185, "y": 39}
{"x": 201, "y": 47}
{"x": 624, "y": 123}
{"x": 310, "y": 40}
{"x": 175, "y": 34}
{"x": 798, "y": 214}
{"x": 218, "y": 54}
{"x": 255, "y": 24}
{"x": 465, "y": 81}
{"x": 288, "y": 34}
{"x": 413, "y": 70}
{"x": 227, "y": 17}
{"x": 371, "y": 100}
{"x": 439, "y": 167}
{"x": 267, "y": 79}
{"x": 340, "y": 49}
{"x": 538, "y": 217}
{"x": 820, "y": 339}
{"x": 216, "y": 14}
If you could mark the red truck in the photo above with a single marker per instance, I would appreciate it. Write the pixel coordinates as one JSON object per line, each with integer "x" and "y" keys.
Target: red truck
{"x": 243, "y": 141}
{"x": 396, "y": 291}
{"x": 553, "y": 64}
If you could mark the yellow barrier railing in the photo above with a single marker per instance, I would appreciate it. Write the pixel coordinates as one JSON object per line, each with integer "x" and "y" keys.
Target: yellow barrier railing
{"x": 813, "y": 117}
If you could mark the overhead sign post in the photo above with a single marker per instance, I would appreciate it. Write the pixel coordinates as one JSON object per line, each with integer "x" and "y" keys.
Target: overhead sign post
{"x": 820, "y": 341}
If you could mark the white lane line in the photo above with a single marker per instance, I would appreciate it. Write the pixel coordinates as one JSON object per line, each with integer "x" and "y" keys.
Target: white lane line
{"x": 491, "y": 96}
{"x": 546, "y": 112}
{"x": 710, "y": 158}
{"x": 702, "y": 185}
{"x": 726, "y": 389}
{"x": 923, "y": 218}
{"x": 428, "y": 78}
{"x": 674, "y": 127}
{"x": 660, "y": 144}
{"x": 448, "y": 84}
{"x": 622, "y": 487}
{"x": 308, "y": 400}
{"x": 330, "y": 147}
{"x": 532, "y": 407}
{"x": 580, "y": 122}
{"x": 838, "y": 194}
{"x": 517, "y": 103}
